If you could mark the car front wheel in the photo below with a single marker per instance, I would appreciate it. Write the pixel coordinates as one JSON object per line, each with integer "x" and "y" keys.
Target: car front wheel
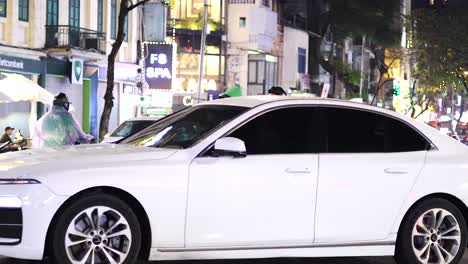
{"x": 98, "y": 229}
{"x": 433, "y": 233}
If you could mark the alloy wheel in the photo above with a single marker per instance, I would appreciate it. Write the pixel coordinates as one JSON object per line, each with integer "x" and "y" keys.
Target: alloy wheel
{"x": 436, "y": 237}
{"x": 98, "y": 235}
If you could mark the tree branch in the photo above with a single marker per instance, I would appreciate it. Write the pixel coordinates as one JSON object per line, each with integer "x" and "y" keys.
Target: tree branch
{"x": 130, "y": 8}
{"x": 428, "y": 104}
{"x": 382, "y": 83}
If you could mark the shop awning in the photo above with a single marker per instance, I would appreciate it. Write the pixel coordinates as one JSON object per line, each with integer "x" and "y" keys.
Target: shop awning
{"x": 17, "y": 88}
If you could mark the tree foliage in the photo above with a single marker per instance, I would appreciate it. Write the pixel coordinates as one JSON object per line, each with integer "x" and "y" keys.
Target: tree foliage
{"x": 440, "y": 46}
{"x": 379, "y": 21}
{"x": 422, "y": 99}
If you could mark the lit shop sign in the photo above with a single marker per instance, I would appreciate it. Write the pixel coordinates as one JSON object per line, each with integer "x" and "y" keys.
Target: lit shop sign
{"x": 188, "y": 100}
{"x": 158, "y": 66}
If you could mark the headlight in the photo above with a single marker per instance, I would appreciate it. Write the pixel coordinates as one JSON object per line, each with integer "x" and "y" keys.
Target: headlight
{"x": 18, "y": 181}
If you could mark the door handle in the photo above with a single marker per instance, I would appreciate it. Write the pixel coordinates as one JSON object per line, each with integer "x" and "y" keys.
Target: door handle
{"x": 394, "y": 171}
{"x": 298, "y": 171}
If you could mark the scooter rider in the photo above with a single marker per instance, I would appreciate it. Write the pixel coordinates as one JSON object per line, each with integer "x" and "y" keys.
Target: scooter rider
{"x": 58, "y": 127}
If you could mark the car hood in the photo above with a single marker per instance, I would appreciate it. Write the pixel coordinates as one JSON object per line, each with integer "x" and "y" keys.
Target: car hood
{"x": 29, "y": 163}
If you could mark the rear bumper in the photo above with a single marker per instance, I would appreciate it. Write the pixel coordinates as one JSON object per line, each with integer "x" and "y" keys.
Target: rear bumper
{"x": 25, "y": 214}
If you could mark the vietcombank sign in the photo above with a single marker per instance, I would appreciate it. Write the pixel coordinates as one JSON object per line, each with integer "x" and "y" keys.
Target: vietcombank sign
{"x": 20, "y": 64}
{"x": 12, "y": 63}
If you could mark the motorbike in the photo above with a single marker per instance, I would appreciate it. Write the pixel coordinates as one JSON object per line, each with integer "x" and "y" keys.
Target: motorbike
{"x": 19, "y": 141}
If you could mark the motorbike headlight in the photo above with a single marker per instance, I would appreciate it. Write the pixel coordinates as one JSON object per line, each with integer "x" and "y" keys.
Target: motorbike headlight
{"x": 18, "y": 181}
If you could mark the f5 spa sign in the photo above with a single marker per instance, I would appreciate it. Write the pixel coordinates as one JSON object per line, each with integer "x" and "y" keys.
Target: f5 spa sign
{"x": 158, "y": 66}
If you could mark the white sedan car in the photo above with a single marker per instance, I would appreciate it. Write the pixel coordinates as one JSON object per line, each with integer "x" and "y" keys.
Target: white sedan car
{"x": 253, "y": 177}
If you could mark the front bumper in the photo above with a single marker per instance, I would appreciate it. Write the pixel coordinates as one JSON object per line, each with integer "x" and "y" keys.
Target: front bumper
{"x": 11, "y": 221}
{"x": 25, "y": 214}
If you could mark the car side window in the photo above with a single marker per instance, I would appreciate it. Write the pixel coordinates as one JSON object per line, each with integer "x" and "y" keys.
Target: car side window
{"x": 283, "y": 131}
{"x": 400, "y": 137}
{"x": 353, "y": 131}
{"x": 358, "y": 131}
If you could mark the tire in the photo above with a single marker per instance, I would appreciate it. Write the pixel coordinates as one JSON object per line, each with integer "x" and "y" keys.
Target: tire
{"x": 74, "y": 237}
{"x": 420, "y": 241}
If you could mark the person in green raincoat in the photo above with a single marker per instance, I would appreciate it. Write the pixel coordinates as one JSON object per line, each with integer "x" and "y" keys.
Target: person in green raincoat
{"x": 58, "y": 127}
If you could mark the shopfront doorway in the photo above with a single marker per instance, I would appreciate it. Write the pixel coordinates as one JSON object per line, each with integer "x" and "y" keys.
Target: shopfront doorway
{"x": 262, "y": 74}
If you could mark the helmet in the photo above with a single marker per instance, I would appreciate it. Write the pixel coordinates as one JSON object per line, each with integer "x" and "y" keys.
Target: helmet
{"x": 276, "y": 90}
{"x": 62, "y": 100}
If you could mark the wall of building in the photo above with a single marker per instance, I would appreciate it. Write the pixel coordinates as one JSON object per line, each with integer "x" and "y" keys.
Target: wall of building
{"x": 259, "y": 30}
{"x": 15, "y": 115}
{"x": 252, "y": 32}
{"x": 293, "y": 40}
{"x": 114, "y": 118}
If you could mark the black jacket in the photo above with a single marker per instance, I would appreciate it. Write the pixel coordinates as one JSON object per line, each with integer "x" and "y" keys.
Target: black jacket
{"x": 5, "y": 138}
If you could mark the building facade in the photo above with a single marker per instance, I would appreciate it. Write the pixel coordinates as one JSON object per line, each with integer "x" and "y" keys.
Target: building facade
{"x": 254, "y": 47}
{"x": 263, "y": 50}
{"x": 185, "y": 32}
{"x": 40, "y": 38}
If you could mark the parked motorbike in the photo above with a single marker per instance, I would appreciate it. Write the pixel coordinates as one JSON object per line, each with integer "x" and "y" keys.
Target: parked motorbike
{"x": 19, "y": 142}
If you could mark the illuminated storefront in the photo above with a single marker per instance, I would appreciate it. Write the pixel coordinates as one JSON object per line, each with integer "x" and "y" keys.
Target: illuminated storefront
{"x": 185, "y": 31}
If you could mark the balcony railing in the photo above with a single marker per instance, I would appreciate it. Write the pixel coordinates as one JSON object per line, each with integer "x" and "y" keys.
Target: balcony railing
{"x": 241, "y": 1}
{"x": 75, "y": 37}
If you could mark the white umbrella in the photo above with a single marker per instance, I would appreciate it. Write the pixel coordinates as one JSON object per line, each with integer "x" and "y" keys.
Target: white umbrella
{"x": 4, "y": 98}
{"x": 16, "y": 88}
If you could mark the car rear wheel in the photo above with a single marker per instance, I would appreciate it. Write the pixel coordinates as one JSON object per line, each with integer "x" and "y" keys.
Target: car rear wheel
{"x": 98, "y": 229}
{"x": 433, "y": 233}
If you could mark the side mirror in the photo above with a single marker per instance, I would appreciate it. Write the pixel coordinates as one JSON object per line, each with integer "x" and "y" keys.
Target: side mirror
{"x": 230, "y": 146}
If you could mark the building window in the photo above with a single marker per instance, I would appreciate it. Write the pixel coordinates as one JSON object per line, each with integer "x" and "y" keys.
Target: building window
{"x": 100, "y": 24}
{"x": 126, "y": 28}
{"x": 23, "y": 10}
{"x": 74, "y": 17}
{"x": 301, "y": 60}
{"x": 266, "y": 3}
{"x": 187, "y": 13}
{"x": 262, "y": 73}
{"x": 113, "y": 19}
{"x": 3, "y": 8}
{"x": 242, "y": 22}
{"x": 52, "y": 12}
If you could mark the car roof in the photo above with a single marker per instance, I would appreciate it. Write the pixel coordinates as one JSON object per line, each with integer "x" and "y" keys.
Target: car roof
{"x": 255, "y": 101}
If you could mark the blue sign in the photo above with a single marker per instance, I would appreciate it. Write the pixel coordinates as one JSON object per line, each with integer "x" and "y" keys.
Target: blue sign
{"x": 213, "y": 95}
{"x": 158, "y": 66}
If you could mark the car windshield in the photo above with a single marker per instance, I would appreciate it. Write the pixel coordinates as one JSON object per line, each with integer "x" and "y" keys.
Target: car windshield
{"x": 129, "y": 128}
{"x": 183, "y": 129}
